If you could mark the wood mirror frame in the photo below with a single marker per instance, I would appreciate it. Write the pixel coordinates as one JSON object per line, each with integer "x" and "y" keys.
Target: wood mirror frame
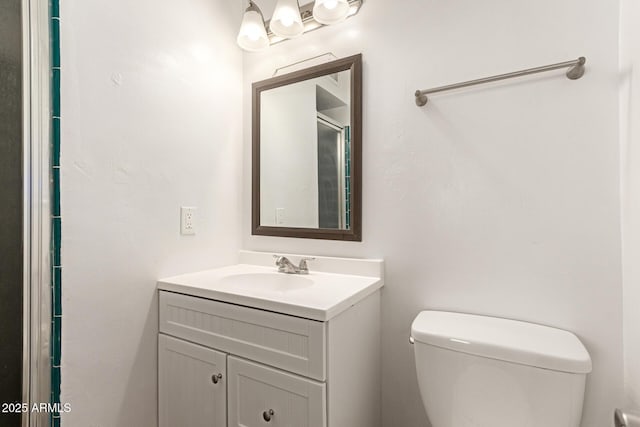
{"x": 354, "y": 233}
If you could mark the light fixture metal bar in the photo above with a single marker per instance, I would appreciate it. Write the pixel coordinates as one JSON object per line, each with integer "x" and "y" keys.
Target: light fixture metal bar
{"x": 575, "y": 72}
{"x": 309, "y": 23}
{"x": 277, "y": 70}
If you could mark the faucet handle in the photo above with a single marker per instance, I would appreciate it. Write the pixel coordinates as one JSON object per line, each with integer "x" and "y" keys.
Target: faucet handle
{"x": 304, "y": 268}
{"x": 278, "y": 262}
{"x": 281, "y": 261}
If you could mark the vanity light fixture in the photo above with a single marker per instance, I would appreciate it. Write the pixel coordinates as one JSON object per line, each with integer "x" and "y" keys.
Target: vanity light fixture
{"x": 253, "y": 35}
{"x": 286, "y": 21}
{"x": 330, "y": 11}
{"x": 290, "y": 20}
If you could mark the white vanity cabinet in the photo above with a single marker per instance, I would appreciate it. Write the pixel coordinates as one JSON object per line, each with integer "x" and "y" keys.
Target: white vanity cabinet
{"x": 224, "y": 364}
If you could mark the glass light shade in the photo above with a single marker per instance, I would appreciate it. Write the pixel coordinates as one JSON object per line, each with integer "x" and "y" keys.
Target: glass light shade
{"x": 252, "y": 35}
{"x": 330, "y": 11}
{"x": 286, "y": 21}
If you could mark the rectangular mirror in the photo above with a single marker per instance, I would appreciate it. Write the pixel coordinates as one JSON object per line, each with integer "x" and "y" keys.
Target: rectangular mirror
{"x": 307, "y": 153}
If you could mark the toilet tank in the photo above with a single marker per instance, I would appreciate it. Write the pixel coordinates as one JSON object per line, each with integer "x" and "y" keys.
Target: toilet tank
{"x": 479, "y": 371}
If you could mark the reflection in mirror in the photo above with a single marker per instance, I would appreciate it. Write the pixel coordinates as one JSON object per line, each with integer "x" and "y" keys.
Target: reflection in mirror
{"x": 306, "y": 152}
{"x": 304, "y": 129}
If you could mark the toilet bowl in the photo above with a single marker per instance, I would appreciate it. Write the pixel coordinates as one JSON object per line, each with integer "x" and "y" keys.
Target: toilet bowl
{"x": 479, "y": 371}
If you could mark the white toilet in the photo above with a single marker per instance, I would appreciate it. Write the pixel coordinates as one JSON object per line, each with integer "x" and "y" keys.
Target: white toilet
{"x": 478, "y": 371}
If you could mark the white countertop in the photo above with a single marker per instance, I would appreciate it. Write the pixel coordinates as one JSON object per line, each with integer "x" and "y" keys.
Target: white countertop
{"x": 329, "y": 295}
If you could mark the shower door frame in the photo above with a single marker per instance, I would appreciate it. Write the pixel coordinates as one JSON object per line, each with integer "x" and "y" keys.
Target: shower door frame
{"x": 36, "y": 380}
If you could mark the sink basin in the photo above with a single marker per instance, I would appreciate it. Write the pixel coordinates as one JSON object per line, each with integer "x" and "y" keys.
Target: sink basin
{"x": 269, "y": 282}
{"x": 334, "y": 285}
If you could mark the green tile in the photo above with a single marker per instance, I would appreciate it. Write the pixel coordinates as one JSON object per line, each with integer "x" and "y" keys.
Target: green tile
{"x": 57, "y": 237}
{"x": 55, "y": 130}
{"x": 55, "y": 8}
{"x": 55, "y": 192}
{"x": 55, "y": 384}
{"x": 56, "y": 341}
{"x": 55, "y": 43}
{"x": 57, "y": 291}
{"x": 55, "y": 92}
{"x": 57, "y": 276}
{"x": 56, "y": 324}
{"x": 55, "y": 351}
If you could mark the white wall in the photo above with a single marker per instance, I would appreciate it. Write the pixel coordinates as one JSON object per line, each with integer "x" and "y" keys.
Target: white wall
{"x": 289, "y": 155}
{"x": 630, "y": 138}
{"x": 500, "y": 200}
{"x": 151, "y": 121}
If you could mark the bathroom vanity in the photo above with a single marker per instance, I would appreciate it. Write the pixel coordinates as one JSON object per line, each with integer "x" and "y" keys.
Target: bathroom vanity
{"x": 247, "y": 346}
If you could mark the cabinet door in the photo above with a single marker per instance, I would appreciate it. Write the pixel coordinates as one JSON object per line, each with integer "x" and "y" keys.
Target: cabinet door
{"x": 260, "y": 396}
{"x": 192, "y": 385}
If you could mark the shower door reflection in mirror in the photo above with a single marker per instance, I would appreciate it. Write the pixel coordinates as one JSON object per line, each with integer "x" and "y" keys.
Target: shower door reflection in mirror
{"x": 333, "y": 173}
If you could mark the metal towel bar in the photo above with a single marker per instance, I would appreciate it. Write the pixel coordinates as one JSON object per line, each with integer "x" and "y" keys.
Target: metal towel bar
{"x": 575, "y": 72}
{"x": 626, "y": 418}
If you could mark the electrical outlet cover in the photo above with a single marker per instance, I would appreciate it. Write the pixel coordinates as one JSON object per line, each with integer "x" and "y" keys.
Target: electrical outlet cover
{"x": 280, "y": 216}
{"x": 187, "y": 220}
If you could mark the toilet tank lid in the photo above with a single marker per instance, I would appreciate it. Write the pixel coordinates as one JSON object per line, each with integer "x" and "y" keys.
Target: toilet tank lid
{"x": 503, "y": 339}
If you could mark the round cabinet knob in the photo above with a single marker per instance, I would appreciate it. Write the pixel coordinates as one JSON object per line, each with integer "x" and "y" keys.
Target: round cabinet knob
{"x": 268, "y": 414}
{"x": 216, "y": 377}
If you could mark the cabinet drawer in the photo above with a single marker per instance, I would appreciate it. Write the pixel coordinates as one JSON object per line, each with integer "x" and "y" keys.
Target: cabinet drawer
{"x": 260, "y": 396}
{"x": 290, "y": 343}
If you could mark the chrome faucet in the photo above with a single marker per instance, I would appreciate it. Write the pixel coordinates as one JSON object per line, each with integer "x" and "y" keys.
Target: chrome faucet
{"x": 286, "y": 266}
